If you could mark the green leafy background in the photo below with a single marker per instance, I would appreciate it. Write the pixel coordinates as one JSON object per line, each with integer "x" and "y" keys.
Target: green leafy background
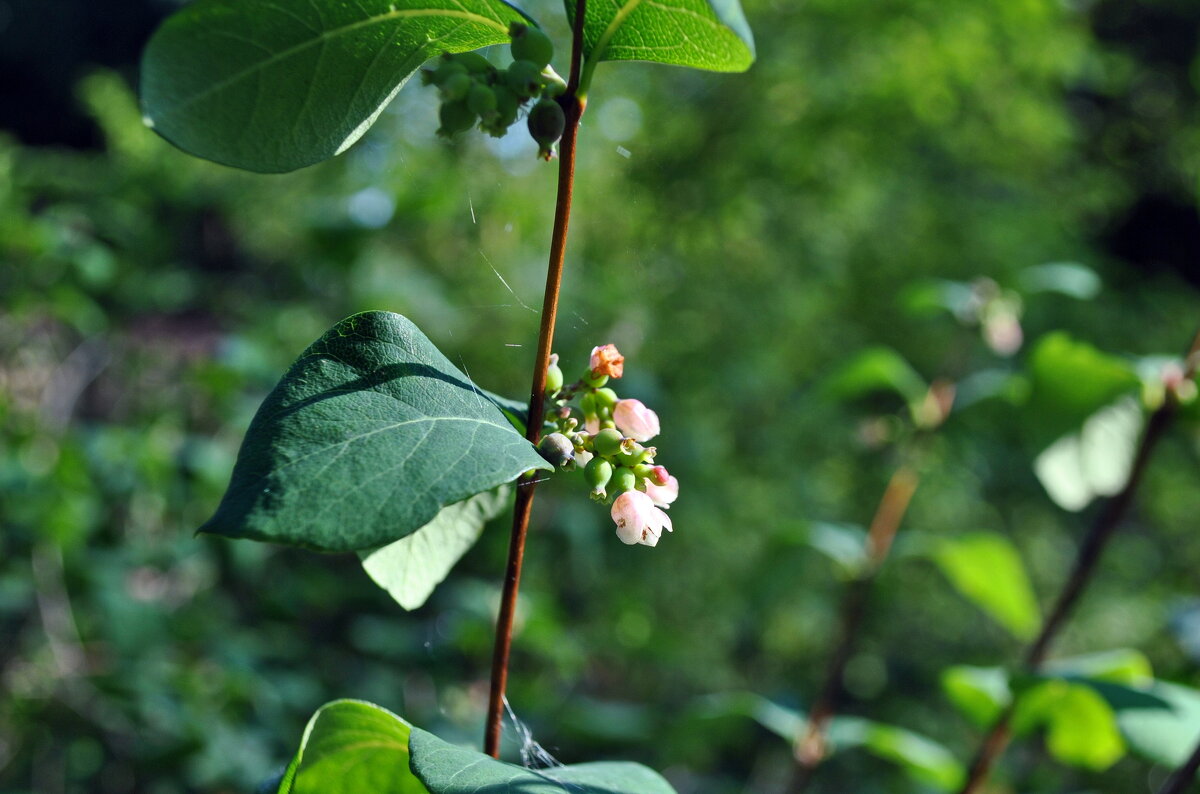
{"x": 740, "y": 237}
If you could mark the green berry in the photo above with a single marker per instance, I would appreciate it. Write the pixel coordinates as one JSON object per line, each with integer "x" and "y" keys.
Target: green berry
{"x": 456, "y": 86}
{"x": 474, "y": 62}
{"x": 482, "y": 101}
{"x": 524, "y": 78}
{"x": 623, "y": 480}
{"x": 456, "y": 117}
{"x": 445, "y": 70}
{"x": 608, "y": 442}
{"x": 606, "y": 398}
{"x": 632, "y": 457}
{"x": 531, "y": 44}
{"x": 593, "y": 380}
{"x": 597, "y": 473}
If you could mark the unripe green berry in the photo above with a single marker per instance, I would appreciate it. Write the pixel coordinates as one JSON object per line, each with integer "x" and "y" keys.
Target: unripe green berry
{"x": 597, "y": 473}
{"x": 473, "y": 62}
{"x": 606, "y": 398}
{"x": 557, "y": 449}
{"x": 623, "y": 480}
{"x": 594, "y": 380}
{"x": 608, "y": 442}
{"x": 554, "y": 379}
{"x": 456, "y": 117}
{"x": 531, "y": 44}
{"x": 587, "y": 404}
{"x": 456, "y": 86}
{"x": 482, "y": 100}
{"x": 524, "y": 78}
{"x": 445, "y": 70}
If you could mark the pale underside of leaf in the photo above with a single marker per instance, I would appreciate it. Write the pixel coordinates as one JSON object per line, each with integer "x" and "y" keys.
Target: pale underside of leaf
{"x": 274, "y": 85}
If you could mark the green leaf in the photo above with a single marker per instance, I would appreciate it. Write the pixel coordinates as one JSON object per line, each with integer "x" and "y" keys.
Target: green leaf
{"x": 1081, "y": 727}
{"x": 985, "y": 567}
{"x": 1094, "y": 462}
{"x": 446, "y": 769}
{"x": 925, "y": 760}
{"x": 873, "y": 370}
{"x": 275, "y": 85}
{"x": 369, "y": 434}
{"x": 702, "y": 34}
{"x": 352, "y": 747}
{"x": 1120, "y": 665}
{"x": 1073, "y": 380}
{"x": 1164, "y": 735}
{"x": 981, "y": 693}
{"x": 412, "y": 567}
{"x": 1068, "y": 278}
{"x": 845, "y": 544}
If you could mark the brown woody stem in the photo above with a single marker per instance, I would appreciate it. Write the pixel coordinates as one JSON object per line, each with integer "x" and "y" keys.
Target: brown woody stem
{"x": 573, "y": 109}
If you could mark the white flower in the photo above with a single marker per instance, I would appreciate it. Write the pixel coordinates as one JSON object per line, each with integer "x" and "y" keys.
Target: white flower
{"x": 638, "y": 520}
{"x": 663, "y": 495}
{"x": 635, "y": 420}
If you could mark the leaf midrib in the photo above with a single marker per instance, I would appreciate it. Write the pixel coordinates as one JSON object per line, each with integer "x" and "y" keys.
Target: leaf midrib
{"x": 325, "y": 36}
{"x": 617, "y": 21}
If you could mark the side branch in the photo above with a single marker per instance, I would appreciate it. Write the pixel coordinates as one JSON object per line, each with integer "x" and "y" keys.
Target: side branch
{"x": 1094, "y": 543}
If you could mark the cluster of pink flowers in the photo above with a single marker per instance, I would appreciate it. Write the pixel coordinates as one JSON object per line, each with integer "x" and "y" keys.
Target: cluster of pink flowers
{"x": 610, "y": 446}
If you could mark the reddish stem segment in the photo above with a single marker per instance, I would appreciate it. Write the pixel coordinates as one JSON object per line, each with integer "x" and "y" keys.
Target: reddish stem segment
{"x": 1100, "y": 532}
{"x": 525, "y": 486}
{"x": 810, "y": 745}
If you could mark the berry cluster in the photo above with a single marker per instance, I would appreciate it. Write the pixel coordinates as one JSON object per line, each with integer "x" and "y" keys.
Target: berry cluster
{"x": 606, "y": 440}
{"x": 473, "y": 90}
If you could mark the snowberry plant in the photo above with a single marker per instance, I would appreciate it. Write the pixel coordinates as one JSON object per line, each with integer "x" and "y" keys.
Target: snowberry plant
{"x": 373, "y": 442}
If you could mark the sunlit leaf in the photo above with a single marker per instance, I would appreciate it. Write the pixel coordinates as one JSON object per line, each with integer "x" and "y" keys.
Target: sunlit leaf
{"x": 1081, "y": 727}
{"x": 873, "y": 370}
{"x": 1094, "y": 462}
{"x": 980, "y": 693}
{"x": 275, "y": 85}
{"x": 986, "y": 568}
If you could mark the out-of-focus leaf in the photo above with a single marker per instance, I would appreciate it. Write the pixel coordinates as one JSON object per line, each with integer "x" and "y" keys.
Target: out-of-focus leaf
{"x": 1094, "y": 462}
{"x": 1072, "y": 380}
{"x": 980, "y": 693}
{"x": 986, "y": 568}
{"x": 1068, "y": 278}
{"x": 702, "y": 34}
{"x": 1164, "y": 735}
{"x": 352, "y": 747}
{"x": 845, "y": 544}
{"x": 1120, "y": 665}
{"x": 275, "y": 85}
{"x": 412, "y": 567}
{"x": 1081, "y": 727}
{"x": 369, "y": 434}
{"x": 876, "y": 369}
{"x": 446, "y": 769}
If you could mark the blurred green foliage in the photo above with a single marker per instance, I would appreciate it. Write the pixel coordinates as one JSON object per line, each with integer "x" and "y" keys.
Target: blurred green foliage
{"x": 887, "y": 176}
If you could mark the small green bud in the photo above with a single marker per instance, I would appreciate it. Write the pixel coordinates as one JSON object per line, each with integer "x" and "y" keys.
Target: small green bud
{"x": 558, "y": 450}
{"x": 606, "y": 398}
{"x": 587, "y": 404}
{"x": 456, "y": 86}
{"x": 456, "y": 117}
{"x": 608, "y": 442}
{"x": 481, "y": 100}
{"x": 505, "y": 113}
{"x": 623, "y": 480}
{"x": 524, "y": 78}
{"x": 473, "y": 62}
{"x": 531, "y": 44}
{"x": 554, "y": 379}
{"x": 597, "y": 473}
{"x": 632, "y": 454}
{"x": 594, "y": 380}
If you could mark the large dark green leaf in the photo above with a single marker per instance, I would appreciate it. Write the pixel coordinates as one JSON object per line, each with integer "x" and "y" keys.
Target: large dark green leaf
{"x": 352, "y": 747}
{"x": 275, "y": 85}
{"x": 446, "y": 769}
{"x": 412, "y": 567}
{"x": 369, "y": 434}
{"x": 703, "y": 34}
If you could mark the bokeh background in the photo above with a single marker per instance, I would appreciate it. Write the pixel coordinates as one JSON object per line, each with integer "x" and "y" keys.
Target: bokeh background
{"x": 889, "y": 174}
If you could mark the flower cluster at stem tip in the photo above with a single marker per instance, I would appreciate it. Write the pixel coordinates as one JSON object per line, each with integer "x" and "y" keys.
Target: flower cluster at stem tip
{"x": 603, "y": 435}
{"x": 473, "y": 90}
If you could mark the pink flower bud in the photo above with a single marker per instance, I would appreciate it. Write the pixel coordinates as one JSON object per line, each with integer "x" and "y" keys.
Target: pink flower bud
{"x": 663, "y": 495}
{"x": 659, "y": 475}
{"x": 607, "y": 360}
{"x": 638, "y": 520}
{"x": 636, "y": 420}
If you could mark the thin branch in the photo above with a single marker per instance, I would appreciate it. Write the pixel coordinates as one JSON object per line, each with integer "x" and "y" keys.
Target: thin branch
{"x": 1100, "y": 532}
{"x": 525, "y": 487}
{"x": 1184, "y": 776}
{"x": 810, "y": 747}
